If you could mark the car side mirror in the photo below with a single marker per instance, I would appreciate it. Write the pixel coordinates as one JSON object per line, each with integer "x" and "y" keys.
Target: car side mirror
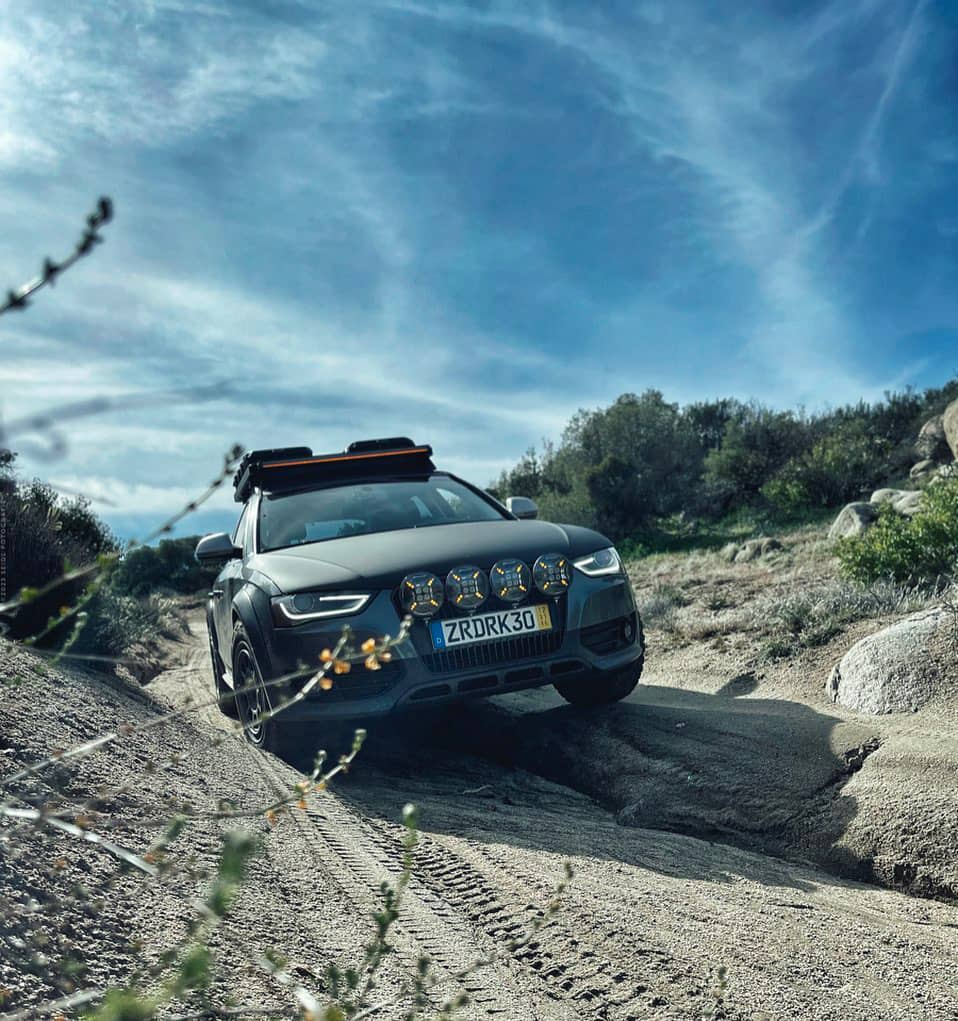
{"x": 218, "y": 546}
{"x": 522, "y": 507}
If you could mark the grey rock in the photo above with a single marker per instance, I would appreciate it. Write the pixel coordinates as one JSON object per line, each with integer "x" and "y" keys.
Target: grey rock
{"x": 923, "y": 470}
{"x": 755, "y": 548}
{"x": 884, "y": 495}
{"x": 946, "y": 471}
{"x": 728, "y": 551}
{"x": 900, "y": 668}
{"x": 932, "y": 443}
{"x": 854, "y": 519}
{"x": 949, "y": 421}
{"x": 907, "y": 502}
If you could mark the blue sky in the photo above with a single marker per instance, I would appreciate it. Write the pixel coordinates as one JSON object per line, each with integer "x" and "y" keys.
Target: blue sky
{"x": 464, "y": 221}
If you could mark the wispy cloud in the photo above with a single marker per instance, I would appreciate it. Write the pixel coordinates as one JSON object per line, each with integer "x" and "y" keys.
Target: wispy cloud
{"x": 462, "y": 221}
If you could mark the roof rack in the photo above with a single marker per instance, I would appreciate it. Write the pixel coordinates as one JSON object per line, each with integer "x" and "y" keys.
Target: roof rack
{"x": 289, "y": 467}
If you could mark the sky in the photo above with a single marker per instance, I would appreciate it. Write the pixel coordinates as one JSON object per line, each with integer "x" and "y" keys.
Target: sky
{"x": 461, "y": 222}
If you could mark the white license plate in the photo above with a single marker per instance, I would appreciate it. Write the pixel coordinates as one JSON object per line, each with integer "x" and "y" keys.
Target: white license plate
{"x": 484, "y": 627}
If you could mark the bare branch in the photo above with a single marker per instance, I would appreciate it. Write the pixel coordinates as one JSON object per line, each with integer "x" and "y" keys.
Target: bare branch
{"x": 19, "y": 299}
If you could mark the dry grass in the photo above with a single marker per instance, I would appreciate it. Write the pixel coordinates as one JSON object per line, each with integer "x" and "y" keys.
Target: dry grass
{"x": 777, "y": 604}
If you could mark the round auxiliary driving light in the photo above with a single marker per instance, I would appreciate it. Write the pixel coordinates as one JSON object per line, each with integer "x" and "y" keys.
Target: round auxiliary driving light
{"x": 510, "y": 580}
{"x": 421, "y": 594}
{"x": 467, "y": 587}
{"x": 552, "y": 574}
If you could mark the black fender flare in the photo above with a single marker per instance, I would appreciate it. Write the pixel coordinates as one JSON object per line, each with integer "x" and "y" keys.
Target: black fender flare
{"x": 244, "y": 611}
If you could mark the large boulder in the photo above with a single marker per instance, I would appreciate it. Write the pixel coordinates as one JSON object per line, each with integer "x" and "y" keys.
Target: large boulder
{"x": 949, "y": 422}
{"x": 932, "y": 444}
{"x": 923, "y": 470}
{"x": 900, "y": 668}
{"x": 853, "y": 520}
{"x": 907, "y": 502}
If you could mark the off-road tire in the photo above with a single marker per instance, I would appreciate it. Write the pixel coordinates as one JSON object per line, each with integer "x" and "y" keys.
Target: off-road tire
{"x": 268, "y": 735}
{"x": 227, "y": 702}
{"x": 601, "y": 688}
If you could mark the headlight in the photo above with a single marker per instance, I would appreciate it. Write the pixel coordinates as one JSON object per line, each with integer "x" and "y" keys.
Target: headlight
{"x": 303, "y": 606}
{"x": 467, "y": 587}
{"x": 510, "y": 580}
{"x": 552, "y": 574}
{"x": 603, "y": 561}
{"x": 421, "y": 594}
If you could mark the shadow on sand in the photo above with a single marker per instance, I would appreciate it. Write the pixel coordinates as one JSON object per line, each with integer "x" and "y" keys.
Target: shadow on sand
{"x": 527, "y": 770}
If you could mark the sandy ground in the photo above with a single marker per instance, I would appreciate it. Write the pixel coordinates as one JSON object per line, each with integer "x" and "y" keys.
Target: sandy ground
{"x": 698, "y": 816}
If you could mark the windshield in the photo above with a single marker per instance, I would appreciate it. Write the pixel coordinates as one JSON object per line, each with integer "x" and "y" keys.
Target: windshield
{"x": 291, "y": 519}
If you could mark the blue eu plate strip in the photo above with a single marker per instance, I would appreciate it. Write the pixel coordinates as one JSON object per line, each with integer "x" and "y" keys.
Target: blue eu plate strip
{"x": 438, "y": 638}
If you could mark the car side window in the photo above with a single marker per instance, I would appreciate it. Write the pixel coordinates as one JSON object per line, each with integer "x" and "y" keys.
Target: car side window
{"x": 239, "y": 533}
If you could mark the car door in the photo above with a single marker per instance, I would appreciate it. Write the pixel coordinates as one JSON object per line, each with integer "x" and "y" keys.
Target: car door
{"x": 224, "y": 588}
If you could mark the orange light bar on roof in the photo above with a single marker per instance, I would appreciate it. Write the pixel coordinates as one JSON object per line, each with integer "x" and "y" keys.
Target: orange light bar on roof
{"x": 338, "y": 458}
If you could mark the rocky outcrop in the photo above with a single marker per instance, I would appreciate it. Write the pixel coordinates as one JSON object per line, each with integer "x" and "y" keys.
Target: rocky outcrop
{"x": 899, "y": 669}
{"x": 932, "y": 444}
{"x": 754, "y": 549}
{"x": 907, "y": 502}
{"x": 923, "y": 470}
{"x": 949, "y": 422}
{"x": 853, "y": 520}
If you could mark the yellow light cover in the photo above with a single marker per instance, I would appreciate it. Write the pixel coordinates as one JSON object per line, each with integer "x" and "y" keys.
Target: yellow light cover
{"x": 421, "y": 594}
{"x": 467, "y": 588}
{"x": 552, "y": 574}
{"x": 511, "y": 580}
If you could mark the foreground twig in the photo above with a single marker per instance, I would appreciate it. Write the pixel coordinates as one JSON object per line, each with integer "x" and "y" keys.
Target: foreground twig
{"x": 19, "y": 299}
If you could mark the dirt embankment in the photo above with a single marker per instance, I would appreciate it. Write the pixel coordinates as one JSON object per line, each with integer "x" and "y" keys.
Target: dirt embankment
{"x": 507, "y": 792}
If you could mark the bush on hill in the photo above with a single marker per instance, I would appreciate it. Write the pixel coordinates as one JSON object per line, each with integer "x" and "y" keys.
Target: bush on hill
{"x": 627, "y": 468}
{"x": 922, "y": 549}
{"x": 167, "y": 567}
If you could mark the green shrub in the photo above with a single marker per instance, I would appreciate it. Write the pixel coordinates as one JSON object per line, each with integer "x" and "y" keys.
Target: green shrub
{"x": 756, "y": 444}
{"x": 169, "y": 566}
{"x": 835, "y": 470}
{"x": 922, "y": 549}
{"x": 45, "y": 533}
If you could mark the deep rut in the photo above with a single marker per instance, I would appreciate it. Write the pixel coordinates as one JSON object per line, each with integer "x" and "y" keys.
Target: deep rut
{"x": 360, "y": 856}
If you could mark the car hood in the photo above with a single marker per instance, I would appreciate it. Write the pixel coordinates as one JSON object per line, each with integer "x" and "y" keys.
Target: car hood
{"x": 381, "y": 560}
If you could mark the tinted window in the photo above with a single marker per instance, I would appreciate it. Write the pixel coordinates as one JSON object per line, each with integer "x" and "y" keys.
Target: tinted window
{"x": 291, "y": 519}
{"x": 239, "y": 533}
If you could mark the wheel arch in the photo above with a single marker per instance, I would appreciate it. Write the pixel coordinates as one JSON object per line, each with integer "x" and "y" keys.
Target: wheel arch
{"x": 243, "y": 612}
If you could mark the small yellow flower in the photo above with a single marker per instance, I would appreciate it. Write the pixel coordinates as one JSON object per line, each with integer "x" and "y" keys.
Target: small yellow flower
{"x": 372, "y": 663}
{"x": 301, "y": 804}
{"x": 341, "y": 667}
{"x": 325, "y": 682}
{"x": 326, "y": 656}
{"x": 385, "y": 656}
{"x": 321, "y": 786}
{"x": 369, "y": 645}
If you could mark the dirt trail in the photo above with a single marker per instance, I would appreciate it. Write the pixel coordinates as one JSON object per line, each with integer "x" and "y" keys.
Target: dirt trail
{"x": 648, "y": 913}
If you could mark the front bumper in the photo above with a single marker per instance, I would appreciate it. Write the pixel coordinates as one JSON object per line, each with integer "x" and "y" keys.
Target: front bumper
{"x": 599, "y": 631}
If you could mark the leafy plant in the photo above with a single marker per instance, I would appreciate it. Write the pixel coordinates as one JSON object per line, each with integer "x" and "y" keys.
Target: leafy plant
{"x": 836, "y": 469}
{"x": 922, "y": 549}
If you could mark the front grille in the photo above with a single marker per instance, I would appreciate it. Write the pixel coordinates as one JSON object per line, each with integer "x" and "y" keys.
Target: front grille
{"x": 359, "y": 683}
{"x": 609, "y": 636}
{"x": 483, "y": 654}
